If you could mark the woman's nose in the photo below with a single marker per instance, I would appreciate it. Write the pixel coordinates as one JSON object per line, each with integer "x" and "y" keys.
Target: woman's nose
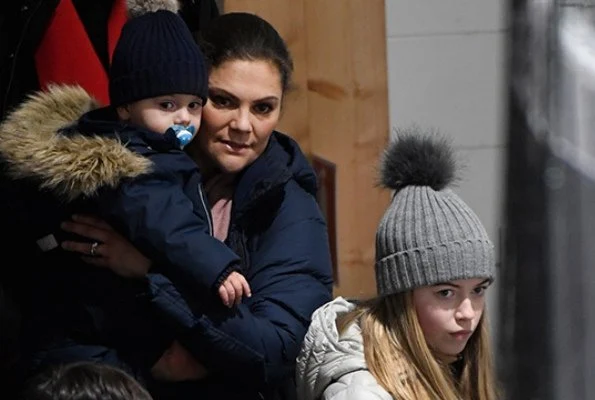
{"x": 241, "y": 121}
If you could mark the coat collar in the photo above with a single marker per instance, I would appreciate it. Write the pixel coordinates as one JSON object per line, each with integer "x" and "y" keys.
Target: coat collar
{"x": 281, "y": 161}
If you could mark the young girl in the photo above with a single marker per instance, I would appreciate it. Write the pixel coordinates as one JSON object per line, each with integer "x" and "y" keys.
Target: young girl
{"x": 425, "y": 336}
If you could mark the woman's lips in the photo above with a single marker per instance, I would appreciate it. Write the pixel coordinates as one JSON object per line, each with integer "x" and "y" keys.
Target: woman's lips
{"x": 235, "y": 147}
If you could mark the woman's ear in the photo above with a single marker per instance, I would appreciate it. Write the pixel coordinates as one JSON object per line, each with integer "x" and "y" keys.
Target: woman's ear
{"x": 123, "y": 113}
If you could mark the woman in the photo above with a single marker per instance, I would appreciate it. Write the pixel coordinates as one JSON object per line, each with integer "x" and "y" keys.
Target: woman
{"x": 425, "y": 336}
{"x": 262, "y": 195}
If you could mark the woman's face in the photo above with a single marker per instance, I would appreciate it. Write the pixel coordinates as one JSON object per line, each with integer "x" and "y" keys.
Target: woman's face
{"x": 449, "y": 313}
{"x": 243, "y": 110}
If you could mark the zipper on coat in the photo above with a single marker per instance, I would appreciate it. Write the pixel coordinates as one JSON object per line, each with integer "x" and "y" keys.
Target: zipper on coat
{"x": 201, "y": 194}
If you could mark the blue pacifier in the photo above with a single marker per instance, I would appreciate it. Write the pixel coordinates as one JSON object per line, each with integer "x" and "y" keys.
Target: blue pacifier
{"x": 184, "y": 134}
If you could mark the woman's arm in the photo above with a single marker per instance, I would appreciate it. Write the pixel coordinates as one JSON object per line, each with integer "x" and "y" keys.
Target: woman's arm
{"x": 118, "y": 254}
{"x": 114, "y": 252}
{"x": 258, "y": 341}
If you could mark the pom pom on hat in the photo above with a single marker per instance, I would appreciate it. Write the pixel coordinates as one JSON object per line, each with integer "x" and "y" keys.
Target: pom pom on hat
{"x": 416, "y": 158}
{"x": 137, "y": 8}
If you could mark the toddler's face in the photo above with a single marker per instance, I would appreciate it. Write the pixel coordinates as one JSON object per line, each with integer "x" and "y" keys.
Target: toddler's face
{"x": 449, "y": 313}
{"x": 159, "y": 113}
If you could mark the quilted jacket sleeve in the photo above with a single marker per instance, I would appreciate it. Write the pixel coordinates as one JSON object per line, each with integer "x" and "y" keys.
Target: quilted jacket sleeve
{"x": 159, "y": 218}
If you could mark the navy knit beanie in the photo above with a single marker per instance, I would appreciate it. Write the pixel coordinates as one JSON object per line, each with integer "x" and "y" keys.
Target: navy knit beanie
{"x": 156, "y": 55}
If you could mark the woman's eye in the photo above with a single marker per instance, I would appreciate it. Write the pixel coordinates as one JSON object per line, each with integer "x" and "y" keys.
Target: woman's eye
{"x": 220, "y": 101}
{"x": 263, "y": 108}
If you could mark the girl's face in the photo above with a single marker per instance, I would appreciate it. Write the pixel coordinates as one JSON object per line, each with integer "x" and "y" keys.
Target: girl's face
{"x": 448, "y": 314}
{"x": 243, "y": 110}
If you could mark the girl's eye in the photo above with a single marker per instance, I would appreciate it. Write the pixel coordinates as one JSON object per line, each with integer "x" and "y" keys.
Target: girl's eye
{"x": 480, "y": 290}
{"x": 263, "y": 108}
{"x": 166, "y": 105}
{"x": 446, "y": 293}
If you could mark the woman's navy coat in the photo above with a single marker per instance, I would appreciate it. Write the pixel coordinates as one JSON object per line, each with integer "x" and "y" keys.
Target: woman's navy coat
{"x": 277, "y": 228}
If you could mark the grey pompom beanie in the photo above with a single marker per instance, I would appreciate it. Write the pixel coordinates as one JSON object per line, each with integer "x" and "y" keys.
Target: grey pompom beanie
{"x": 428, "y": 235}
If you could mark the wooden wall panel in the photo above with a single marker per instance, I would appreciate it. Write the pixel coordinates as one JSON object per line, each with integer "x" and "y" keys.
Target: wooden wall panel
{"x": 339, "y": 112}
{"x": 348, "y": 117}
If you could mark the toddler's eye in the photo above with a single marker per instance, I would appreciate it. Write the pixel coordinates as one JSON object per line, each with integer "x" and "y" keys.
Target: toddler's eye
{"x": 167, "y": 105}
{"x": 195, "y": 105}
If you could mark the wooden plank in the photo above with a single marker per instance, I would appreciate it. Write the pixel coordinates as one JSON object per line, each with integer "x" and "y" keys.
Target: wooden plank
{"x": 348, "y": 117}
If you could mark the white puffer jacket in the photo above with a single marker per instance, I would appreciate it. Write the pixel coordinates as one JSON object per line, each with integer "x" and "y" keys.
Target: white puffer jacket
{"x": 333, "y": 367}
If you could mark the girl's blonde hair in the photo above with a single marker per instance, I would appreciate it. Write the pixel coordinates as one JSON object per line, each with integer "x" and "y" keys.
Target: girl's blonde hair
{"x": 399, "y": 358}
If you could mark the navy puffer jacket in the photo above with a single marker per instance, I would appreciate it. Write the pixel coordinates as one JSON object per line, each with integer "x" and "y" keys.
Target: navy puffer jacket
{"x": 278, "y": 230}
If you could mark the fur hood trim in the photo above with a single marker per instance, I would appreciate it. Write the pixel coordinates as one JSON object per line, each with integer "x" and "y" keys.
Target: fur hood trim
{"x": 32, "y": 146}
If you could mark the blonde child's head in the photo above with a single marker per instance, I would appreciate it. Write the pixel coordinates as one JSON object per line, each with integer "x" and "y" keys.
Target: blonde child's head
{"x": 426, "y": 335}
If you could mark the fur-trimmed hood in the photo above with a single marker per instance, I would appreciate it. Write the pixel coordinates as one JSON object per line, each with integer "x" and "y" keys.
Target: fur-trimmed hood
{"x": 32, "y": 146}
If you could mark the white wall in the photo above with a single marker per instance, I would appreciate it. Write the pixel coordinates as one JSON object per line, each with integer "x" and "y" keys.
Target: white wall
{"x": 446, "y": 70}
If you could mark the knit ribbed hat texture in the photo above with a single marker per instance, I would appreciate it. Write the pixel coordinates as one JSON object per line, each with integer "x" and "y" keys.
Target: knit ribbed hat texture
{"x": 428, "y": 235}
{"x": 156, "y": 55}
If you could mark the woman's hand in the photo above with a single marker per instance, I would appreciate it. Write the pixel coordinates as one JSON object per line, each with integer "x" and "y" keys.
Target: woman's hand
{"x": 110, "y": 249}
{"x": 176, "y": 365}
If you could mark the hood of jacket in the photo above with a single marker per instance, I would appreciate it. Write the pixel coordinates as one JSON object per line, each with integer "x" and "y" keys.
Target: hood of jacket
{"x": 325, "y": 357}
{"x": 33, "y": 146}
{"x": 281, "y": 161}
{"x": 297, "y": 163}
